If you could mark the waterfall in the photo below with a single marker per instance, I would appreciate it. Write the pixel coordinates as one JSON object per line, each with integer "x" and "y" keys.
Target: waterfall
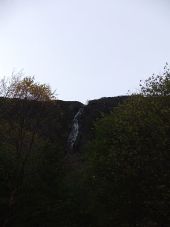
{"x": 74, "y": 129}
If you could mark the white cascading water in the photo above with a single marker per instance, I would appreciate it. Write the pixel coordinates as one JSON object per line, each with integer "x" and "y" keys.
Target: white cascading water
{"x": 74, "y": 129}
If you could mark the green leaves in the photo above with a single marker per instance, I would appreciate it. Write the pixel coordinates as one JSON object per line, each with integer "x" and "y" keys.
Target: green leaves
{"x": 130, "y": 157}
{"x": 157, "y": 85}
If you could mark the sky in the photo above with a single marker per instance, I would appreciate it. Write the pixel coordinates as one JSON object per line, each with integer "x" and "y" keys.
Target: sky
{"x": 85, "y": 49}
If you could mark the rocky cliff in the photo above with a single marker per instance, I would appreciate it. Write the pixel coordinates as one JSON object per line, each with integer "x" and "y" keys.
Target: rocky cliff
{"x": 88, "y": 115}
{"x": 58, "y": 119}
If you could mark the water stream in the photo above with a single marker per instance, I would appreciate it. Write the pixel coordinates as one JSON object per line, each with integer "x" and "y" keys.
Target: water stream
{"x": 74, "y": 129}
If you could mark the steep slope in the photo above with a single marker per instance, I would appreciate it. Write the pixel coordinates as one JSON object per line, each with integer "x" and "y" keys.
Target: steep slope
{"x": 68, "y": 123}
{"x": 86, "y": 119}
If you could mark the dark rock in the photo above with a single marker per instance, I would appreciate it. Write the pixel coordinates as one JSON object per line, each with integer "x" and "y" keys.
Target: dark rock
{"x": 94, "y": 110}
{"x": 56, "y": 117}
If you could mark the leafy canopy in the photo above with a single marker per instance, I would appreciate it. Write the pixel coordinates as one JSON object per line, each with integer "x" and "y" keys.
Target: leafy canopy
{"x": 128, "y": 161}
{"x": 157, "y": 85}
{"x": 22, "y": 87}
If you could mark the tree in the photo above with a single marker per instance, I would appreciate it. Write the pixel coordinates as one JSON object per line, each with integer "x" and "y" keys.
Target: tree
{"x": 157, "y": 85}
{"x": 129, "y": 158}
{"x": 25, "y": 88}
{"x": 20, "y": 116}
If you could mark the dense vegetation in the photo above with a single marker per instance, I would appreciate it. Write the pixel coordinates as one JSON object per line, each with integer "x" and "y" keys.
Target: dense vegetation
{"x": 120, "y": 177}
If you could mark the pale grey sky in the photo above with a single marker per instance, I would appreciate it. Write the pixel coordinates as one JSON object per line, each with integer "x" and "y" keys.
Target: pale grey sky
{"x": 85, "y": 49}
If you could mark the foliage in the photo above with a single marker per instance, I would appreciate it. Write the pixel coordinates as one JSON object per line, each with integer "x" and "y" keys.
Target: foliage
{"x": 120, "y": 179}
{"x": 25, "y": 88}
{"x": 20, "y": 140}
{"x": 157, "y": 85}
{"x": 31, "y": 159}
{"x": 129, "y": 158}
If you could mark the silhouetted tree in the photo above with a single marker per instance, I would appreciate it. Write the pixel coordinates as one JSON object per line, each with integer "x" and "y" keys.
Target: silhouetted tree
{"x": 129, "y": 160}
{"x": 19, "y": 130}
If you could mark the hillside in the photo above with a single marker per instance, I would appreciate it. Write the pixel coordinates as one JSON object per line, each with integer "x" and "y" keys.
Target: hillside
{"x": 74, "y": 165}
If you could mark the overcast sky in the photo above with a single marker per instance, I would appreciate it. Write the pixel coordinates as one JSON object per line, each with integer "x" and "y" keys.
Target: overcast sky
{"x": 85, "y": 49}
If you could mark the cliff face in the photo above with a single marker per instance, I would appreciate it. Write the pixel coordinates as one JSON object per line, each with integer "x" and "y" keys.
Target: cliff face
{"x": 91, "y": 112}
{"x": 51, "y": 120}
{"x": 56, "y": 118}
